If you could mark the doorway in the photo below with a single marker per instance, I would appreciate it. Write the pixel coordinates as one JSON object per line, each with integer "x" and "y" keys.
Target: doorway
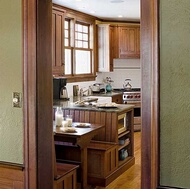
{"x": 36, "y": 87}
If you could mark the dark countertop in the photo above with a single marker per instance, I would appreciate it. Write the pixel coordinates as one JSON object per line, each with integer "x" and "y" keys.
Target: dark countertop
{"x": 71, "y": 105}
{"x": 108, "y": 94}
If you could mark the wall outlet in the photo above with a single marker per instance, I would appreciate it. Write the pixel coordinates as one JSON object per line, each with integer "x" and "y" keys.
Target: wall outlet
{"x": 17, "y": 100}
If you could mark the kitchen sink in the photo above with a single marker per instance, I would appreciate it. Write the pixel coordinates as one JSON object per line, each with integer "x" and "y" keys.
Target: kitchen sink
{"x": 90, "y": 99}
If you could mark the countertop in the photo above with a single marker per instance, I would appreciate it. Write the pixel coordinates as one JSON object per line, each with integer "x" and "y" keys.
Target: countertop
{"x": 108, "y": 94}
{"x": 71, "y": 105}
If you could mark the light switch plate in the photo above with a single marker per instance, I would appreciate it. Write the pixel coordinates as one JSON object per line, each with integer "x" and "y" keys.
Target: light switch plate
{"x": 17, "y": 100}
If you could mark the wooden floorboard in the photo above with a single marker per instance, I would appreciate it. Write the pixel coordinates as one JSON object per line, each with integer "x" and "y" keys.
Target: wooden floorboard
{"x": 130, "y": 179}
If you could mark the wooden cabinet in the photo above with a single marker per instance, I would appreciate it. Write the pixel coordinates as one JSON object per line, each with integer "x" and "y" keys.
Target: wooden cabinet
{"x": 57, "y": 41}
{"x": 129, "y": 41}
{"x": 117, "y": 41}
{"x": 118, "y": 98}
{"x": 105, "y": 162}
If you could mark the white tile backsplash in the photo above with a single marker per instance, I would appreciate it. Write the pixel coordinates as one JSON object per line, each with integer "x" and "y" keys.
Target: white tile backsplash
{"x": 123, "y": 68}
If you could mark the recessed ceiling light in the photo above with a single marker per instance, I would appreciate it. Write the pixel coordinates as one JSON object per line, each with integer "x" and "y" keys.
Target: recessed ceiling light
{"x": 120, "y": 16}
{"x": 117, "y": 1}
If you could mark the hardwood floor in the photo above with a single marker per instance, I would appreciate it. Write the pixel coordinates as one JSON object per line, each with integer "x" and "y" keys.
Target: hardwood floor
{"x": 130, "y": 179}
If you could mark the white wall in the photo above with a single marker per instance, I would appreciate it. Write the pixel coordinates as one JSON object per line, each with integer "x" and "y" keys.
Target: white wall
{"x": 123, "y": 68}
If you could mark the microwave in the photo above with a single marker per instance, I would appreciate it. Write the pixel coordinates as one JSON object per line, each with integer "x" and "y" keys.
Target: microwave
{"x": 122, "y": 123}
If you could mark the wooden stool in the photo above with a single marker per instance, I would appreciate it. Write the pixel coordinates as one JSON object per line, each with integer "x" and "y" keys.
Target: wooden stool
{"x": 64, "y": 174}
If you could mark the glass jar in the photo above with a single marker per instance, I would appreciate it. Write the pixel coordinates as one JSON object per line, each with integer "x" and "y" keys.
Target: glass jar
{"x": 58, "y": 116}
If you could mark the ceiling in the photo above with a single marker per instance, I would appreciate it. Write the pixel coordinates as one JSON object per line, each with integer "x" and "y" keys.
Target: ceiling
{"x": 106, "y": 9}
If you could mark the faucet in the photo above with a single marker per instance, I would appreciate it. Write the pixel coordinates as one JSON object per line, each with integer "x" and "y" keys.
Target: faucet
{"x": 87, "y": 91}
{"x": 82, "y": 92}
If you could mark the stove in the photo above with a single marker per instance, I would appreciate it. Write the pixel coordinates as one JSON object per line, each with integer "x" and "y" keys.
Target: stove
{"x": 133, "y": 97}
{"x": 126, "y": 90}
{"x": 133, "y": 94}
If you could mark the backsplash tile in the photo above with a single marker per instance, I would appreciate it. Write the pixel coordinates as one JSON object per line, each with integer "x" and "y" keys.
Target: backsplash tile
{"x": 123, "y": 68}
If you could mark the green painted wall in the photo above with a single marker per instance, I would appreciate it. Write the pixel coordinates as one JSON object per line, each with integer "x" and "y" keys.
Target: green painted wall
{"x": 175, "y": 92}
{"x": 11, "y": 120}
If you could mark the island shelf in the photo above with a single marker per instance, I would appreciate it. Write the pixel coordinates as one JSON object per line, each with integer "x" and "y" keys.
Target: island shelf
{"x": 103, "y": 152}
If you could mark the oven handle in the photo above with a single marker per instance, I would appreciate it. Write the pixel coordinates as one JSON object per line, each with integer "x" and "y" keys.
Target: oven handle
{"x": 136, "y": 104}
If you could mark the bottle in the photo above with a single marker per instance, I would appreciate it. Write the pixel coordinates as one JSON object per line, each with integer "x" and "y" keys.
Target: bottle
{"x": 58, "y": 116}
{"x": 108, "y": 87}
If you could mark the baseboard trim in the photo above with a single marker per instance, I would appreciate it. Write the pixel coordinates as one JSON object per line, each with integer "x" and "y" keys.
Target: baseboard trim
{"x": 168, "y": 187}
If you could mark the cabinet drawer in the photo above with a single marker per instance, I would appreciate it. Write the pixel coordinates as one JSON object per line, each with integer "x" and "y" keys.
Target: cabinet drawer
{"x": 117, "y": 99}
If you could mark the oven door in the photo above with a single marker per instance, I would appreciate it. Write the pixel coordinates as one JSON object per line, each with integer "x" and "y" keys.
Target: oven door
{"x": 137, "y": 114}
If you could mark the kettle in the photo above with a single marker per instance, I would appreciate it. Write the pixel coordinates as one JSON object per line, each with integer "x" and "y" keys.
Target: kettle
{"x": 127, "y": 85}
{"x": 63, "y": 93}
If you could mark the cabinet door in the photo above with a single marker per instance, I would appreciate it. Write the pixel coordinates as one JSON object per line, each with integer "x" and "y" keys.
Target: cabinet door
{"x": 138, "y": 41}
{"x": 107, "y": 46}
{"x": 113, "y": 44}
{"x": 57, "y": 42}
{"x": 128, "y": 39}
{"x": 117, "y": 99}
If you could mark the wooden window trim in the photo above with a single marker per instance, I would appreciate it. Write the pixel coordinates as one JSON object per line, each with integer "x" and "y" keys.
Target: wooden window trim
{"x": 77, "y": 16}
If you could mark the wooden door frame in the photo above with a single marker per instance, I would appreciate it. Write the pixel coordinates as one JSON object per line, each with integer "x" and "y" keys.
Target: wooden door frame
{"x": 38, "y": 98}
{"x": 37, "y": 95}
{"x": 150, "y": 94}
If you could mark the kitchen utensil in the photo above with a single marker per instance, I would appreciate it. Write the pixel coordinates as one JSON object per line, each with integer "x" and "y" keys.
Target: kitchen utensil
{"x": 127, "y": 85}
{"x": 96, "y": 87}
{"x": 63, "y": 93}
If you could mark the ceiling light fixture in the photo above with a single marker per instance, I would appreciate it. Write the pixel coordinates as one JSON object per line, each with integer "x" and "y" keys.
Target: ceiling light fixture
{"x": 120, "y": 16}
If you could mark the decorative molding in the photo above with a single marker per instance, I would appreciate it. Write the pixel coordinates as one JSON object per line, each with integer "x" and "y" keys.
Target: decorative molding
{"x": 168, "y": 187}
{"x": 11, "y": 165}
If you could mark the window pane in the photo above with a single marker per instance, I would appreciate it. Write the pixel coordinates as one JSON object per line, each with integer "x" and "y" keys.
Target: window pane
{"x": 85, "y": 29}
{"x": 67, "y": 61}
{"x": 85, "y": 37}
{"x": 85, "y": 44}
{"x": 82, "y": 62}
{"x": 79, "y": 44}
{"x": 66, "y": 33}
{"x": 79, "y": 27}
{"x": 80, "y": 36}
{"x": 66, "y": 42}
{"x": 66, "y": 24}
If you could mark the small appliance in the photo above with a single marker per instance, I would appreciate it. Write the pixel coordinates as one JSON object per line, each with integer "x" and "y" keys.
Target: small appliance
{"x": 59, "y": 88}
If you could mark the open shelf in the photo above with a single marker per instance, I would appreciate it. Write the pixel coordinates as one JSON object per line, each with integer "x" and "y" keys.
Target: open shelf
{"x": 124, "y": 161}
{"x": 127, "y": 142}
{"x": 123, "y": 134}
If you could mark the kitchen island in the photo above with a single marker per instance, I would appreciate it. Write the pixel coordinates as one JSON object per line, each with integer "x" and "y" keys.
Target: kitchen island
{"x": 111, "y": 151}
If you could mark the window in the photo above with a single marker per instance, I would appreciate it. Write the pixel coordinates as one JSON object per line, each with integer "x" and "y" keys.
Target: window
{"x": 78, "y": 47}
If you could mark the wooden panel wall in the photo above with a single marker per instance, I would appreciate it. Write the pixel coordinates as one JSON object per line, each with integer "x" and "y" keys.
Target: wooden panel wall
{"x": 11, "y": 178}
{"x": 109, "y": 119}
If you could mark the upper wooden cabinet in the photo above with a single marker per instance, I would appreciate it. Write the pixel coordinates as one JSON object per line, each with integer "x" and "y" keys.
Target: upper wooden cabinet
{"x": 117, "y": 41}
{"x": 129, "y": 41}
{"x": 58, "y": 41}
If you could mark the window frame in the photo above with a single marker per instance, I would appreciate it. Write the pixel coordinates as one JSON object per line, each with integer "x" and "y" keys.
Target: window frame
{"x": 75, "y": 17}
